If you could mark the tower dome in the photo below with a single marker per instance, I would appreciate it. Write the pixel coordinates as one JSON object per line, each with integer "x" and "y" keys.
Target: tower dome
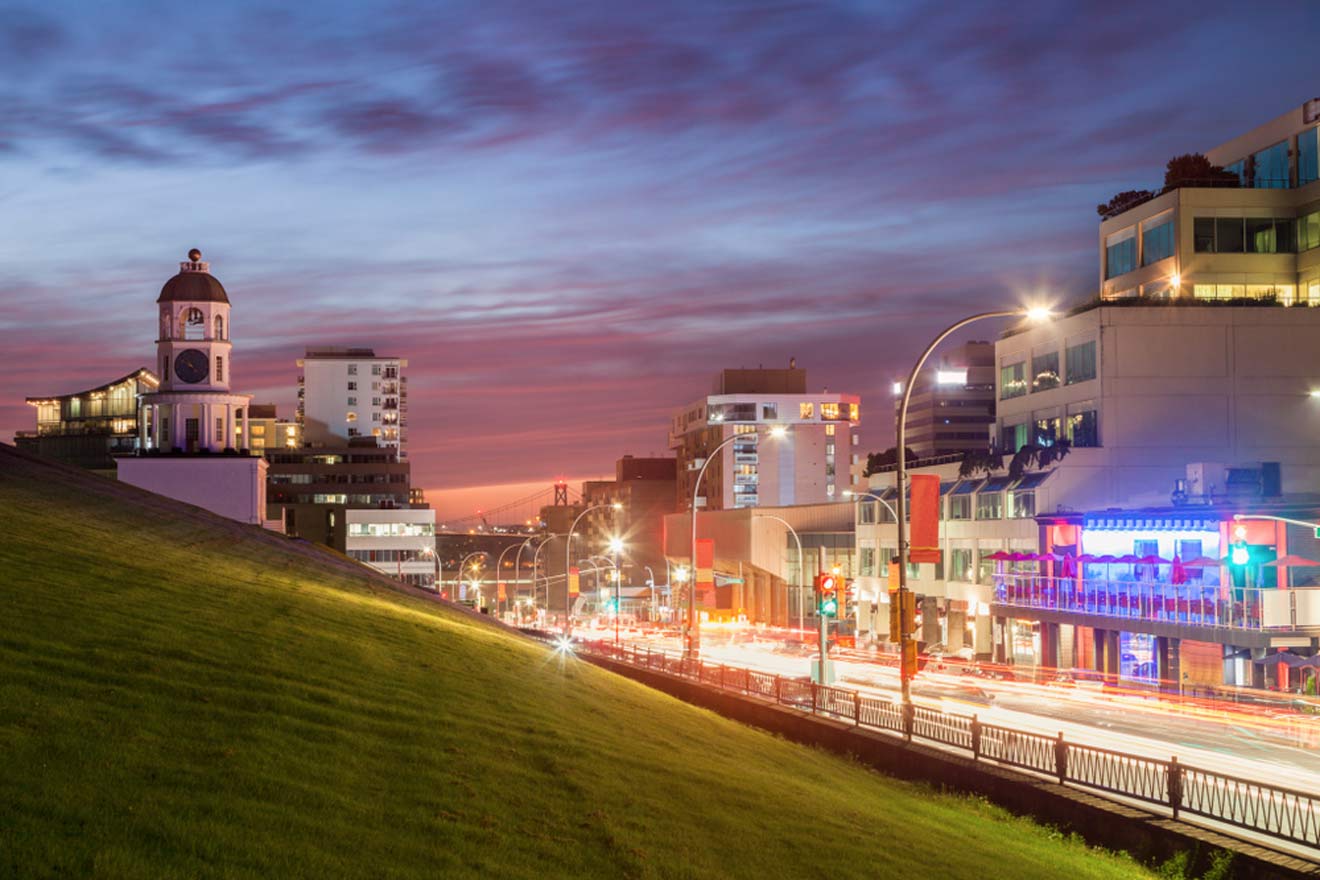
{"x": 194, "y": 283}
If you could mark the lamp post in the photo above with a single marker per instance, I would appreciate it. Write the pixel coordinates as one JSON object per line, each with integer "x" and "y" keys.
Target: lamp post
{"x": 681, "y": 576}
{"x": 536, "y": 560}
{"x": 499, "y": 566}
{"x": 900, "y": 481}
{"x": 650, "y": 582}
{"x": 616, "y": 547}
{"x": 692, "y": 639}
{"x": 435, "y": 554}
{"x": 568, "y": 543}
{"x": 517, "y": 567}
{"x": 802, "y": 620}
{"x": 458, "y": 578}
{"x": 849, "y": 493}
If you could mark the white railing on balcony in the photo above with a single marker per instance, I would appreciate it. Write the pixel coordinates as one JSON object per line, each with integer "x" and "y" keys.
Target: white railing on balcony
{"x": 1193, "y": 604}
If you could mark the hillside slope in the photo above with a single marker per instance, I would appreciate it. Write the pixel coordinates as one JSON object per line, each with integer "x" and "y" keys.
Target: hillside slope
{"x": 183, "y": 696}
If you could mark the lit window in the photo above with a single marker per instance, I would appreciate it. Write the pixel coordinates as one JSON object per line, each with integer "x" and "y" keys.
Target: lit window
{"x": 1012, "y": 380}
{"x": 1079, "y": 360}
{"x": 351, "y": 417}
{"x": 829, "y": 430}
{"x": 806, "y": 410}
{"x": 829, "y": 410}
{"x": 855, "y": 411}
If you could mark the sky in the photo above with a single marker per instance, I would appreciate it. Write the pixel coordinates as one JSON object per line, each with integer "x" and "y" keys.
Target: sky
{"x": 569, "y": 216}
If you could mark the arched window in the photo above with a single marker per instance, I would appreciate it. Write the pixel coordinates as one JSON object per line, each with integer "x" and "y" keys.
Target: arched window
{"x": 219, "y": 327}
{"x": 165, "y": 324}
{"x": 194, "y": 324}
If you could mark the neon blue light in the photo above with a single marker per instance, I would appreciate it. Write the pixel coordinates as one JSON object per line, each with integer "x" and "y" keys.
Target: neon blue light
{"x": 1241, "y": 556}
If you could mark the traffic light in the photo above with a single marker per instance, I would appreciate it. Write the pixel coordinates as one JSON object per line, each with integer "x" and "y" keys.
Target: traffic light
{"x": 1240, "y": 554}
{"x": 827, "y": 595}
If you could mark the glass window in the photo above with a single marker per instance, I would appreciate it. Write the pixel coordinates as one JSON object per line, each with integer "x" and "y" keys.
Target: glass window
{"x": 866, "y": 562}
{"x": 219, "y": 368}
{"x": 375, "y": 369}
{"x": 1022, "y": 505}
{"x": 1157, "y": 243}
{"x": 1308, "y": 231}
{"x": 1203, "y": 235}
{"x": 1014, "y": 437}
{"x": 1045, "y": 371}
{"x": 1121, "y": 257}
{"x": 1285, "y": 235}
{"x": 1308, "y": 156}
{"x": 1260, "y": 235}
{"x": 352, "y": 369}
{"x": 960, "y": 507}
{"x": 960, "y": 564}
{"x": 769, "y": 411}
{"x": 806, "y": 410}
{"x": 1228, "y": 235}
{"x": 1270, "y": 167}
{"x": 1012, "y": 380}
{"x": 829, "y": 410}
{"x": 1080, "y": 362}
{"x": 866, "y": 513}
{"x": 985, "y": 568}
{"x": 989, "y": 505}
{"x": 1083, "y": 428}
{"x": 1047, "y": 431}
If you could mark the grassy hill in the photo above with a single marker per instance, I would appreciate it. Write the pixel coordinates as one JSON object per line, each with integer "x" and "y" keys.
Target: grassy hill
{"x": 182, "y": 696}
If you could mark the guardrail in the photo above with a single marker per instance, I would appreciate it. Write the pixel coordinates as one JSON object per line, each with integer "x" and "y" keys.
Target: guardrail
{"x": 1273, "y": 811}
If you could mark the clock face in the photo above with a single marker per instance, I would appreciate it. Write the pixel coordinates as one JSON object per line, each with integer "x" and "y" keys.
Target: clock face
{"x": 192, "y": 366}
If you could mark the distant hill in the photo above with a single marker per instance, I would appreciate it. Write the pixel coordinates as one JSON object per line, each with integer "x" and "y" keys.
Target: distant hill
{"x": 183, "y": 696}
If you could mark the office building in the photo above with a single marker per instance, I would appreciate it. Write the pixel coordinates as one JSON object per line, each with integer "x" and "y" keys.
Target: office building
{"x": 268, "y": 431}
{"x": 1213, "y": 240}
{"x": 952, "y": 408}
{"x": 809, "y": 465}
{"x": 311, "y": 488}
{"x": 397, "y": 543}
{"x": 644, "y": 489}
{"x": 87, "y": 428}
{"x": 347, "y": 393}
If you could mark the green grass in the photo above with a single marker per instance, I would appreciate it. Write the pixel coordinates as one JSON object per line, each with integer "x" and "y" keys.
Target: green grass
{"x": 180, "y": 697}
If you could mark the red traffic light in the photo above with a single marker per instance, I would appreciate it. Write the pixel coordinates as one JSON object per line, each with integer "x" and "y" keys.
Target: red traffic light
{"x": 826, "y": 583}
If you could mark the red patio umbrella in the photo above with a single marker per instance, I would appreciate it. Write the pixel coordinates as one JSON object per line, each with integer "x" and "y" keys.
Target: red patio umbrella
{"x": 1202, "y": 562}
{"x": 1069, "y": 567}
{"x": 1291, "y": 561}
{"x": 1179, "y": 573}
{"x": 1001, "y": 556}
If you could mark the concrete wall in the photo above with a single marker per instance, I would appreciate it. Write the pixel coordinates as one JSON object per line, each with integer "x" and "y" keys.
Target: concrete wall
{"x": 232, "y": 486}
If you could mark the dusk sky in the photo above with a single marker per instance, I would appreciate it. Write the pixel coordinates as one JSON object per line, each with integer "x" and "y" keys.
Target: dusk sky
{"x": 569, "y": 216}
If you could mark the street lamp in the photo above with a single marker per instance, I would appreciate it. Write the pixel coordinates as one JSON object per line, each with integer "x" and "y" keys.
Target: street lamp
{"x": 536, "y": 561}
{"x": 568, "y": 543}
{"x": 616, "y": 547}
{"x": 900, "y": 482}
{"x": 499, "y": 567}
{"x": 432, "y": 552}
{"x": 458, "y": 578}
{"x": 802, "y": 563}
{"x": 692, "y": 640}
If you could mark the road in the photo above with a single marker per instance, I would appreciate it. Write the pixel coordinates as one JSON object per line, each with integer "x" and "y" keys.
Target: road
{"x": 1281, "y": 750}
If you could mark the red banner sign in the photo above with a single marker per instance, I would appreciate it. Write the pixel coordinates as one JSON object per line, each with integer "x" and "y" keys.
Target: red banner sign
{"x": 924, "y": 529}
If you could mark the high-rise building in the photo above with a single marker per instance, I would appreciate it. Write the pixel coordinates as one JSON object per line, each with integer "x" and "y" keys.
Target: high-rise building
{"x": 811, "y": 464}
{"x": 346, "y": 393}
{"x": 952, "y": 407}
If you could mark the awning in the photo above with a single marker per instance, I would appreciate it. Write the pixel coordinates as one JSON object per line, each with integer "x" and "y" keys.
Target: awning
{"x": 1031, "y": 481}
{"x": 1135, "y": 521}
{"x": 946, "y": 487}
{"x": 966, "y": 487}
{"x": 995, "y": 484}
{"x": 889, "y": 494}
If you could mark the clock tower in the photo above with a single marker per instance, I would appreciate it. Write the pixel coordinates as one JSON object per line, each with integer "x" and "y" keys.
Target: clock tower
{"x": 194, "y": 410}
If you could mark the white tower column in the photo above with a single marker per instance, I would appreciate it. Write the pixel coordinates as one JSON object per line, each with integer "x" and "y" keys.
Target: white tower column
{"x": 247, "y": 437}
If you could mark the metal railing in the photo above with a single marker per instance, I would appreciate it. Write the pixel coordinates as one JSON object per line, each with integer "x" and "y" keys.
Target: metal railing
{"x": 1269, "y": 810}
{"x": 1195, "y": 604}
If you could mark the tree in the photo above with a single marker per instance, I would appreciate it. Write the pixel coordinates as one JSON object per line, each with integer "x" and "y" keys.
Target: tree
{"x": 974, "y": 463}
{"x": 877, "y": 460}
{"x": 1041, "y": 456}
{"x": 1123, "y": 201}
{"x": 1196, "y": 169}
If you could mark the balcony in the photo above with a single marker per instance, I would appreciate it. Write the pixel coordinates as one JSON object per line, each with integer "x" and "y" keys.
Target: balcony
{"x": 1193, "y": 604}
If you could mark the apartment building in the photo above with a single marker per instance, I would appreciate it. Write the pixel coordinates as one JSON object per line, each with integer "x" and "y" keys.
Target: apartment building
{"x": 347, "y": 393}
{"x": 399, "y": 543}
{"x": 810, "y": 464}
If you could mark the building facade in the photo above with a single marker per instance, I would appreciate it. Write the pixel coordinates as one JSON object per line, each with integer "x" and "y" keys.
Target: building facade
{"x": 811, "y": 464}
{"x": 312, "y": 488}
{"x": 1258, "y": 240}
{"x": 188, "y": 425}
{"x": 347, "y": 393}
{"x": 644, "y": 489}
{"x": 952, "y": 409}
{"x": 267, "y": 431}
{"x": 87, "y": 428}
{"x": 397, "y": 543}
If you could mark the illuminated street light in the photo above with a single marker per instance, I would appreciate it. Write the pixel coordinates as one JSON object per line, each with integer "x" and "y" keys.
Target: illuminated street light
{"x": 692, "y": 638}
{"x": 1035, "y": 313}
{"x": 568, "y": 544}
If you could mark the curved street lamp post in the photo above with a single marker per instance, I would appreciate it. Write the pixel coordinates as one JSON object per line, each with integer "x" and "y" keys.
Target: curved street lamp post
{"x": 900, "y": 481}
{"x": 568, "y": 543}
